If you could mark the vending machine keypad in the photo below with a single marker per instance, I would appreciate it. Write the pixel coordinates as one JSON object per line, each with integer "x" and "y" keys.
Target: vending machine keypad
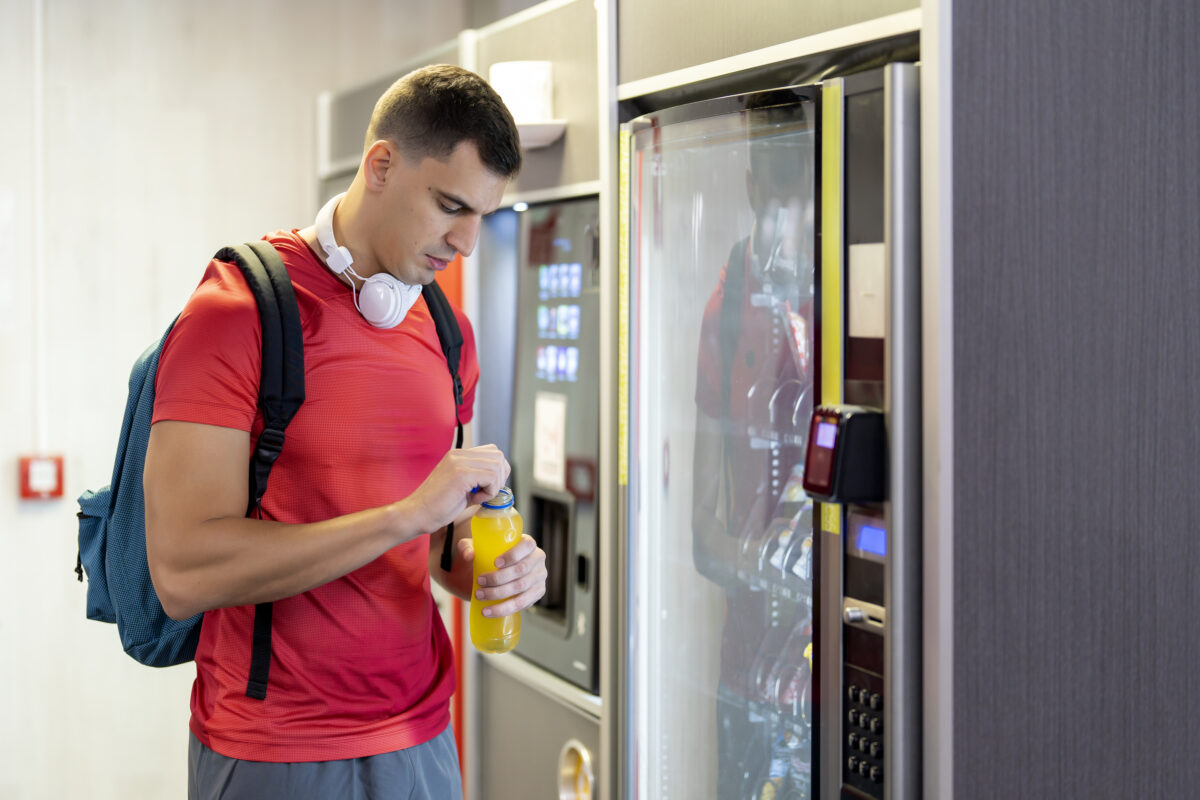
{"x": 862, "y": 765}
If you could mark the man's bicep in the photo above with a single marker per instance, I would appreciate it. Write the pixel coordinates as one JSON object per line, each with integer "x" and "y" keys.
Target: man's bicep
{"x": 194, "y": 473}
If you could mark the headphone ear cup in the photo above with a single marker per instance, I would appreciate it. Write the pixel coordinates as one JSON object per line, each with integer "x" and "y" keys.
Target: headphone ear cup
{"x": 379, "y": 301}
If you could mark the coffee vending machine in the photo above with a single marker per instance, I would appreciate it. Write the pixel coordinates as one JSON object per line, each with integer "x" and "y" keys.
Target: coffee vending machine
{"x": 771, "y": 537}
{"x": 539, "y": 401}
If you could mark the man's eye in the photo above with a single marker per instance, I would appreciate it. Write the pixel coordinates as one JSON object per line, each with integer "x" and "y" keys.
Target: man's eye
{"x": 448, "y": 209}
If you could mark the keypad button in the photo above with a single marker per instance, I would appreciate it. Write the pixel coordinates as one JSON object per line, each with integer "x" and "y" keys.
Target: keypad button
{"x": 852, "y": 739}
{"x": 863, "y": 744}
{"x": 876, "y": 774}
{"x": 864, "y": 768}
{"x": 852, "y": 764}
{"x": 876, "y": 701}
{"x": 875, "y": 726}
{"x": 853, "y": 694}
{"x": 852, "y": 717}
{"x": 876, "y": 749}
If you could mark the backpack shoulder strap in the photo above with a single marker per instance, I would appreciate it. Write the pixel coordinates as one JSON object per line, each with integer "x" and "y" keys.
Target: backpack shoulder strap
{"x": 281, "y": 382}
{"x": 280, "y": 395}
{"x": 448, "y": 332}
{"x": 451, "y": 339}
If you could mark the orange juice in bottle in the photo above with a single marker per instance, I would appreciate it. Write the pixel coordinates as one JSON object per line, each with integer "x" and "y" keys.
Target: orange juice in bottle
{"x": 495, "y": 529}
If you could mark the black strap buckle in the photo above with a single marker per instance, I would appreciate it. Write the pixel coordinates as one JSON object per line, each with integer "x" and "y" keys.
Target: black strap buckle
{"x": 270, "y": 445}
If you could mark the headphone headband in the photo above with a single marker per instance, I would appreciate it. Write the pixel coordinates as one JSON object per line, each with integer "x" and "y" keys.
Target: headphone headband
{"x": 338, "y": 257}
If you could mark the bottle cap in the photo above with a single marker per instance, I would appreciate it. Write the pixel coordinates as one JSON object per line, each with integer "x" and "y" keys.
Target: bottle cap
{"x": 503, "y": 499}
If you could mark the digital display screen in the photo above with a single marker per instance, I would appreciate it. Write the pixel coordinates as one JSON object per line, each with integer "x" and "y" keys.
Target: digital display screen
{"x": 819, "y": 455}
{"x": 558, "y": 322}
{"x": 826, "y": 434}
{"x": 560, "y": 281}
{"x": 871, "y": 539}
{"x": 558, "y": 364}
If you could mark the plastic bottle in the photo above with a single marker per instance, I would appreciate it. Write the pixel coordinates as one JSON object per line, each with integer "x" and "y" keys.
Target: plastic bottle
{"x": 494, "y": 530}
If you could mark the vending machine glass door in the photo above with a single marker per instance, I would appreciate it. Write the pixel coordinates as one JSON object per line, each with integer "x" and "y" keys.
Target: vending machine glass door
{"x": 720, "y": 532}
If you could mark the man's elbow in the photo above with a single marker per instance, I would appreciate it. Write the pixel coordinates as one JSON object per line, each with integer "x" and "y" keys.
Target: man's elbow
{"x": 170, "y": 588}
{"x": 175, "y": 604}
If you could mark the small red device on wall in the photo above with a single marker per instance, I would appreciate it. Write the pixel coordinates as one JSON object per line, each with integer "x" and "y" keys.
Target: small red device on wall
{"x": 41, "y": 477}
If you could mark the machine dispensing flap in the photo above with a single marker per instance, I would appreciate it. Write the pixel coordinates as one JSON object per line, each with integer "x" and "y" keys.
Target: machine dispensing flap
{"x": 846, "y": 460}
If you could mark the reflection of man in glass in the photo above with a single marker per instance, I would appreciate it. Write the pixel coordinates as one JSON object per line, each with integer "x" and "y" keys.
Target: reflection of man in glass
{"x": 753, "y": 394}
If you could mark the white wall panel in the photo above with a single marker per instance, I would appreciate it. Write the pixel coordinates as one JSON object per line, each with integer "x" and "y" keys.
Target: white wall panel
{"x": 171, "y": 128}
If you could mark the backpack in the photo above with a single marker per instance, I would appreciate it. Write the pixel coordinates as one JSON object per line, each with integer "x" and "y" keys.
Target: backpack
{"x": 112, "y": 534}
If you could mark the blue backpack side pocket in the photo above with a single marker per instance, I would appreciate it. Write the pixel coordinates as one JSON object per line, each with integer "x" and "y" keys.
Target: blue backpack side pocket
{"x": 94, "y": 510}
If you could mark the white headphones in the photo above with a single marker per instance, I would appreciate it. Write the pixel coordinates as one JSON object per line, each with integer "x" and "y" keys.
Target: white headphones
{"x": 383, "y": 300}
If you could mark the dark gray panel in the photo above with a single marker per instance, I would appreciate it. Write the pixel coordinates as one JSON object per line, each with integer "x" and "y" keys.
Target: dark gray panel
{"x": 1076, "y": 427}
{"x": 521, "y": 733}
{"x": 658, "y": 36}
{"x": 566, "y": 37}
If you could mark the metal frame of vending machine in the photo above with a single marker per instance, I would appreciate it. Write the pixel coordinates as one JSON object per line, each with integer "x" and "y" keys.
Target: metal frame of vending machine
{"x": 865, "y": 746}
{"x": 870, "y": 618}
{"x": 540, "y": 299}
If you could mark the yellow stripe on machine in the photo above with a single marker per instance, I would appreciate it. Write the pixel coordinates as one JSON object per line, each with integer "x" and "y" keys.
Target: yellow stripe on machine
{"x": 832, "y": 325}
{"x": 623, "y": 212}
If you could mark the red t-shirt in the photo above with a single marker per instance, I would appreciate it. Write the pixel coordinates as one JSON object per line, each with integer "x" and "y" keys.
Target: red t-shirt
{"x": 361, "y": 665}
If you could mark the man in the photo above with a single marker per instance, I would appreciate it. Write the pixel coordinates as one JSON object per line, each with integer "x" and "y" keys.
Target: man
{"x": 355, "y": 515}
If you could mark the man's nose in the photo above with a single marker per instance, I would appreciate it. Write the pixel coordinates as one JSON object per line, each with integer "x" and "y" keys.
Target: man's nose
{"x": 464, "y": 234}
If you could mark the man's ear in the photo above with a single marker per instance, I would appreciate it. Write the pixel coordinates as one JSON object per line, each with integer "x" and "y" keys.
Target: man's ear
{"x": 377, "y": 162}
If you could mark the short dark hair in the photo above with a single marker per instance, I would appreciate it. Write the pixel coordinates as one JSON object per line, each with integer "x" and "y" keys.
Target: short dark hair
{"x": 430, "y": 111}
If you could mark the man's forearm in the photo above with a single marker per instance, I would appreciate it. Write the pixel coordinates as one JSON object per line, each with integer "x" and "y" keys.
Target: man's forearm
{"x": 245, "y": 561}
{"x": 204, "y": 553}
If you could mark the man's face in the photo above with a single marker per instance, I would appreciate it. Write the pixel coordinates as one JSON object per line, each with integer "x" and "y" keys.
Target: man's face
{"x": 433, "y": 211}
{"x": 779, "y": 192}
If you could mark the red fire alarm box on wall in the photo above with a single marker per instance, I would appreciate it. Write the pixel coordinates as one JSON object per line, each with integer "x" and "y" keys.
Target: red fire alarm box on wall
{"x": 41, "y": 477}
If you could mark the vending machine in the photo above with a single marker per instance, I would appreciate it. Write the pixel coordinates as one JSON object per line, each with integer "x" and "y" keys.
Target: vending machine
{"x": 770, "y": 413}
{"x": 540, "y": 352}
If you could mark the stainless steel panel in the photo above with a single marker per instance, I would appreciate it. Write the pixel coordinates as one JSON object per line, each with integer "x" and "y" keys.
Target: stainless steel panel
{"x": 521, "y": 734}
{"x": 902, "y": 580}
{"x": 557, "y": 366}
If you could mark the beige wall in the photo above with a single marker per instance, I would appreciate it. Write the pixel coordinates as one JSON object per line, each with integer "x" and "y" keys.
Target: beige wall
{"x": 170, "y": 128}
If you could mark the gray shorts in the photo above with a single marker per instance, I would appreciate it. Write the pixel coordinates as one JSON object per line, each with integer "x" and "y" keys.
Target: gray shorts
{"x": 426, "y": 772}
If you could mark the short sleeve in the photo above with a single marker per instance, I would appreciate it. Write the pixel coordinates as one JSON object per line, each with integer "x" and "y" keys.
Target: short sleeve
{"x": 209, "y": 368}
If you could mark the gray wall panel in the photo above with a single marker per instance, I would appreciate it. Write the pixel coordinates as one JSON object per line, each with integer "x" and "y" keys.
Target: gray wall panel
{"x": 350, "y": 111}
{"x": 658, "y": 36}
{"x": 530, "y": 729}
{"x": 1077, "y": 368}
{"x": 565, "y": 36}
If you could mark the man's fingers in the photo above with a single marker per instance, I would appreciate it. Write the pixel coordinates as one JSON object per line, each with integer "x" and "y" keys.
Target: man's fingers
{"x": 518, "y": 602}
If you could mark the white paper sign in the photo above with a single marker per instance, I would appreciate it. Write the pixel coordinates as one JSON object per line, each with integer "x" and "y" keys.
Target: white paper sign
{"x": 868, "y": 292}
{"x": 550, "y": 440}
